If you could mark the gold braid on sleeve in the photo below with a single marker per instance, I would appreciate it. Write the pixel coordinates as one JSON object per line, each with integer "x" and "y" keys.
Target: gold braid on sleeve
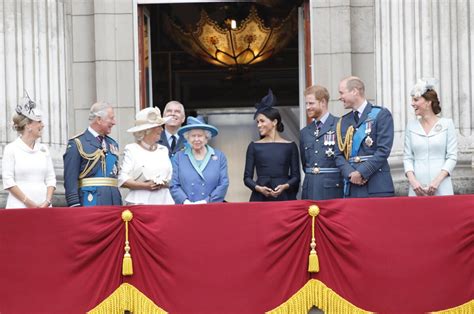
{"x": 345, "y": 146}
{"x": 92, "y": 159}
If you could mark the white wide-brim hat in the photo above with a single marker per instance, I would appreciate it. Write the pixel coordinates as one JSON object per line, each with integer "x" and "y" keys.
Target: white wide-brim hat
{"x": 148, "y": 118}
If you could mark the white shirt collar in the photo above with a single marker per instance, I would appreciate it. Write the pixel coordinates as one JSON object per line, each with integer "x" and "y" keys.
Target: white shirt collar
{"x": 323, "y": 118}
{"x": 93, "y": 132}
{"x": 362, "y": 107}
{"x": 168, "y": 136}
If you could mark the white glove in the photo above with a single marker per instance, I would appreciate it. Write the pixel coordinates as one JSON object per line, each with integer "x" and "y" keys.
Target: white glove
{"x": 187, "y": 202}
{"x": 200, "y": 202}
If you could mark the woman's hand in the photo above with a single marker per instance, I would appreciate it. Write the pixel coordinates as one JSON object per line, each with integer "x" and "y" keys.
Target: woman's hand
{"x": 151, "y": 186}
{"x": 30, "y": 204}
{"x": 264, "y": 190}
{"x": 434, "y": 185}
{"x": 279, "y": 189}
{"x": 45, "y": 204}
{"x": 416, "y": 185}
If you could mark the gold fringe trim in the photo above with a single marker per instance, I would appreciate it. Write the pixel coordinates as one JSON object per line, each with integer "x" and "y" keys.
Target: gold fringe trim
{"x": 466, "y": 308}
{"x": 316, "y": 293}
{"x": 127, "y": 298}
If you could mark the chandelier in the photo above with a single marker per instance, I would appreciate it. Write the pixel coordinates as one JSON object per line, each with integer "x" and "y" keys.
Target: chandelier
{"x": 234, "y": 44}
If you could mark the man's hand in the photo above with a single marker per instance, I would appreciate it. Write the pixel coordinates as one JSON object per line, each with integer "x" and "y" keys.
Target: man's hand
{"x": 356, "y": 178}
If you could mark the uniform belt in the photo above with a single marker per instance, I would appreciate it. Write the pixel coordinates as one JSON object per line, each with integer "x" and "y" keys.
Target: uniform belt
{"x": 358, "y": 159}
{"x": 98, "y": 182}
{"x": 317, "y": 170}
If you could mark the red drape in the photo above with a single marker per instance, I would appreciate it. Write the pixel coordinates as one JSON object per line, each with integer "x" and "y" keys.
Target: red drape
{"x": 384, "y": 255}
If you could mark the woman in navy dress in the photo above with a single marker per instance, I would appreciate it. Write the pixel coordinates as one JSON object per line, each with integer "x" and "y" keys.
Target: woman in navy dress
{"x": 274, "y": 158}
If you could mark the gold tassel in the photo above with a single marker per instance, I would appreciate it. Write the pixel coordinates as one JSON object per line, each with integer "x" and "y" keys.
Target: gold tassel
{"x": 127, "y": 265}
{"x": 313, "y": 263}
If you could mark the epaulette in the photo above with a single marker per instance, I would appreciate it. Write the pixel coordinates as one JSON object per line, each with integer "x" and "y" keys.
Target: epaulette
{"x": 376, "y": 106}
{"x": 77, "y": 135}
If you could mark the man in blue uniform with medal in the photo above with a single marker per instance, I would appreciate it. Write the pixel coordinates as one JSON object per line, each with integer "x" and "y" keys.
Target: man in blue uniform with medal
{"x": 91, "y": 162}
{"x": 364, "y": 142}
{"x": 317, "y": 148}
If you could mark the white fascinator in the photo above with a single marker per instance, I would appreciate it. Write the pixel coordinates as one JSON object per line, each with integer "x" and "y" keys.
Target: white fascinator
{"x": 423, "y": 85}
{"x": 27, "y": 108}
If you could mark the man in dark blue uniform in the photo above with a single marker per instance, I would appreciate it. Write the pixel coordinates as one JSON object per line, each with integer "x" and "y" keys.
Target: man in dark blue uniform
{"x": 91, "y": 162}
{"x": 365, "y": 139}
{"x": 170, "y": 137}
{"x": 317, "y": 148}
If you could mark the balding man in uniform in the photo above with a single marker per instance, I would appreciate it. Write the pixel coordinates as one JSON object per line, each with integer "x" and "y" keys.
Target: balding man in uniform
{"x": 365, "y": 139}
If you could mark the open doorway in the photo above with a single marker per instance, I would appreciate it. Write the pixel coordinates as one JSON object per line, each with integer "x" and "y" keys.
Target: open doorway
{"x": 224, "y": 95}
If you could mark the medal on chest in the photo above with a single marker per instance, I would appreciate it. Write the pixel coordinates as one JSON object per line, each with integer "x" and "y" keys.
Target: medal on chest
{"x": 368, "y": 130}
{"x": 330, "y": 141}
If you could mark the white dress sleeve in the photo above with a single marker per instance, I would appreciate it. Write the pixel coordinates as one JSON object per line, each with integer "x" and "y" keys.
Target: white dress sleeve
{"x": 128, "y": 164}
{"x": 8, "y": 166}
{"x": 451, "y": 148}
{"x": 408, "y": 151}
{"x": 50, "y": 179}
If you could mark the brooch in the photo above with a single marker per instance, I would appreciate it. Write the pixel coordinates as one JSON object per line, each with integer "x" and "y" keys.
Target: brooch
{"x": 214, "y": 157}
{"x": 438, "y": 127}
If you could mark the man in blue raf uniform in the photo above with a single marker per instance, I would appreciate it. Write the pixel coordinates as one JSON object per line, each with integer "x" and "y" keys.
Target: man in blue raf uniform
{"x": 365, "y": 139}
{"x": 170, "y": 137}
{"x": 317, "y": 148}
{"x": 91, "y": 162}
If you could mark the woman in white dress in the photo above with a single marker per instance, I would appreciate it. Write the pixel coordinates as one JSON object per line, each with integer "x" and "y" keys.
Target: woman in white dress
{"x": 430, "y": 145}
{"x": 146, "y": 169}
{"x": 27, "y": 168}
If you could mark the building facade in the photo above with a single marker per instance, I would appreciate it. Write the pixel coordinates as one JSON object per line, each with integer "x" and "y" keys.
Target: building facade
{"x": 69, "y": 53}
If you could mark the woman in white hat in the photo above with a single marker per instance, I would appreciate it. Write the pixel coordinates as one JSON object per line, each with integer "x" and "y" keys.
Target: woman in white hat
{"x": 199, "y": 171}
{"x": 27, "y": 167}
{"x": 146, "y": 169}
{"x": 431, "y": 147}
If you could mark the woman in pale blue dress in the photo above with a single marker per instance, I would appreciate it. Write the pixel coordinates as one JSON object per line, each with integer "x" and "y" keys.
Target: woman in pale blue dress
{"x": 430, "y": 153}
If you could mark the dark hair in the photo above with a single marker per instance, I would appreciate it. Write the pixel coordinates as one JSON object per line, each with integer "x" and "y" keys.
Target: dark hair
{"x": 431, "y": 95}
{"x": 274, "y": 114}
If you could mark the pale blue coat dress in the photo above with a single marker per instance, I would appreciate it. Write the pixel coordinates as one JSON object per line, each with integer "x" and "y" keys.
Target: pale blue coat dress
{"x": 208, "y": 181}
{"x": 427, "y": 154}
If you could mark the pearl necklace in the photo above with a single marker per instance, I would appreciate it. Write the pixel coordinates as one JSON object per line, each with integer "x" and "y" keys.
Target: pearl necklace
{"x": 146, "y": 146}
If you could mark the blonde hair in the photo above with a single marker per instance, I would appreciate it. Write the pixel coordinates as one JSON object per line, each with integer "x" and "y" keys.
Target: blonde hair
{"x": 319, "y": 92}
{"x": 139, "y": 135}
{"x": 20, "y": 122}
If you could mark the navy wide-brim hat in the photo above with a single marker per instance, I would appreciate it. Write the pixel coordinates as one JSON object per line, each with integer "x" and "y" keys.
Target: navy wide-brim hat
{"x": 193, "y": 123}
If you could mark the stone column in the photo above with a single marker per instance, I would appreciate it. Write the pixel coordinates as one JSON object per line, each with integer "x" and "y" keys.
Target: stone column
{"x": 427, "y": 38}
{"x": 33, "y": 45}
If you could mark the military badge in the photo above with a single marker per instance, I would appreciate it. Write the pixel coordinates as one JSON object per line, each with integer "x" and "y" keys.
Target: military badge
{"x": 329, "y": 152}
{"x": 115, "y": 170}
{"x": 369, "y": 141}
{"x": 90, "y": 198}
{"x": 113, "y": 149}
{"x": 214, "y": 157}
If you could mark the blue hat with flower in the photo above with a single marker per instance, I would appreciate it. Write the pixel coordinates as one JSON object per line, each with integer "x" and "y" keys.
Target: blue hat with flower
{"x": 267, "y": 102}
{"x": 193, "y": 123}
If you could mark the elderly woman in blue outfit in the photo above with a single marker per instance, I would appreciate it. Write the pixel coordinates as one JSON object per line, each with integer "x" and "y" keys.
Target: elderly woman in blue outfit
{"x": 199, "y": 171}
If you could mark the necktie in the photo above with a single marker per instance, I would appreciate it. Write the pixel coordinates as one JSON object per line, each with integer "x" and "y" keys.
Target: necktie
{"x": 356, "y": 116}
{"x": 173, "y": 143}
{"x": 318, "y": 127}
{"x": 100, "y": 138}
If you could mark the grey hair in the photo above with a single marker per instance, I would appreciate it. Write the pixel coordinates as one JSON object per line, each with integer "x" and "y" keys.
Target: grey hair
{"x": 139, "y": 135}
{"x": 208, "y": 134}
{"x": 174, "y": 102}
{"x": 99, "y": 109}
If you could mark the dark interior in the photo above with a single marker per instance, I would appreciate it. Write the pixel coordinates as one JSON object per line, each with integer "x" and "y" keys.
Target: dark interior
{"x": 177, "y": 75}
